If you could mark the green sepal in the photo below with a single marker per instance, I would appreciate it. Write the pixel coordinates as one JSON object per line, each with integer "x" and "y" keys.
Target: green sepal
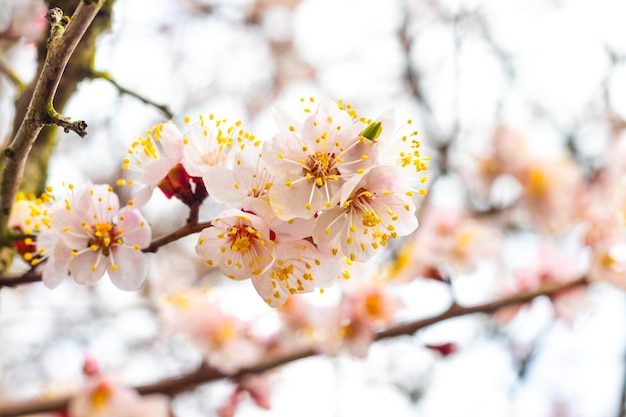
{"x": 373, "y": 131}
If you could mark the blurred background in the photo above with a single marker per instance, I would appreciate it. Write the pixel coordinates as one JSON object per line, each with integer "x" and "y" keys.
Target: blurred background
{"x": 521, "y": 107}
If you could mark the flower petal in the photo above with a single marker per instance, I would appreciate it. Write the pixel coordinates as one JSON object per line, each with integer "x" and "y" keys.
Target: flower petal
{"x": 135, "y": 227}
{"x": 132, "y": 267}
{"x": 88, "y": 267}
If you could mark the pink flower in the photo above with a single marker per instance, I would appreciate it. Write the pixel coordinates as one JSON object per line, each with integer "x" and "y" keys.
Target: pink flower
{"x": 298, "y": 268}
{"x": 364, "y": 310}
{"x": 372, "y": 208}
{"x": 103, "y": 397}
{"x": 223, "y": 339}
{"x": 313, "y": 160}
{"x": 238, "y": 243}
{"x": 256, "y": 386}
{"x": 246, "y": 186}
{"x": 609, "y": 263}
{"x": 248, "y": 179}
{"x": 90, "y": 234}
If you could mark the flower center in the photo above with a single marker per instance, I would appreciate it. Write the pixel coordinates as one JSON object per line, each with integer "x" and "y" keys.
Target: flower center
{"x": 104, "y": 235}
{"x": 242, "y": 244}
{"x": 241, "y": 239}
{"x": 373, "y": 305}
{"x": 320, "y": 166}
{"x": 370, "y": 219}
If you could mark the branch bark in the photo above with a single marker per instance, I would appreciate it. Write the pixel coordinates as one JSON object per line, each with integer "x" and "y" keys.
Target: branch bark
{"x": 65, "y": 33}
{"x": 206, "y": 373}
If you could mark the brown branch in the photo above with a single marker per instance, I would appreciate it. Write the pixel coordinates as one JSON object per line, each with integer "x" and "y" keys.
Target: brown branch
{"x": 65, "y": 34}
{"x": 186, "y": 230}
{"x": 21, "y": 279}
{"x": 205, "y": 373}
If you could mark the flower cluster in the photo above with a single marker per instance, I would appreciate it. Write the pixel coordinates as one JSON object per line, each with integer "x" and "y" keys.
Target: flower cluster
{"x": 324, "y": 189}
{"x": 328, "y": 189}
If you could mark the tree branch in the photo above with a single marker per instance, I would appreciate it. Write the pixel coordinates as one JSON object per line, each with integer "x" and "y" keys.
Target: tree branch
{"x": 205, "y": 373}
{"x": 123, "y": 90}
{"x": 65, "y": 34}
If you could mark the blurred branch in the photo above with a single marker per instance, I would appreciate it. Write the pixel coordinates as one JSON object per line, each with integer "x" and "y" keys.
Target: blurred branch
{"x": 11, "y": 75}
{"x": 65, "y": 33}
{"x": 205, "y": 373}
{"x": 123, "y": 90}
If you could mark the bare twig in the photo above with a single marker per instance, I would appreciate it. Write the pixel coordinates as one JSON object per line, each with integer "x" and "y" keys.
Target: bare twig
{"x": 123, "y": 90}
{"x": 186, "y": 230}
{"x": 11, "y": 75}
{"x": 205, "y": 373}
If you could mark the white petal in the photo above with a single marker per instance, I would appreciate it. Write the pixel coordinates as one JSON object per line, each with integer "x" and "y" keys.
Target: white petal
{"x": 135, "y": 227}
{"x": 220, "y": 184}
{"x": 132, "y": 268}
{"x": 81, "y": 267}
{"x": 56, "y": 268}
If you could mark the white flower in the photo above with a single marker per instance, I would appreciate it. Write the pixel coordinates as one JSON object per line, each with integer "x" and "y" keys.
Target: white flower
{"x": 90, "y": 235}
{"x": 313, "y": 160}
{"x": 208, "y": 144}
{"x": 298, "y": 268}
{"x": 238, "y": 243}
{"x": 372, "y": 209}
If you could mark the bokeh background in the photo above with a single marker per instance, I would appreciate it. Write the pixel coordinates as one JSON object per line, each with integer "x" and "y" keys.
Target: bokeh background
{"x": 551, "y": 71}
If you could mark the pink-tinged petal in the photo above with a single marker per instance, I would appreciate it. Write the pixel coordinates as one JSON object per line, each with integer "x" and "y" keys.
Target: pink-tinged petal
{"x": 222, "y": 186}
{"x": 285, "y": 120}
{"x": 238, "y": 243}
{"x": 209, "y": 245}
{"x": 327, "y": 268}
{"x": 328, "y": 225}
{"x": 135, "y": 227}
{"x": 298, "y": 268}
{"x": 280, "y": 152}
{"x": 142, "y": 196}
{"x": 263, "y": 286}
{"x": 96, "y": 203}
{"x": 132, "y": 267}
{"x": 82, "y": 267}
{"x": 237, "y": 265}
{"x": 153, "y": 174}
{"x": 172, "y": 140}
{"x": 329, "y": 119}
{"x": 57, "y": 265}
{"x": 403, "y": 207}
{"x": 292, "y": 201}
{"x": 69, "y": 228}
{"x": 294, "y": 229}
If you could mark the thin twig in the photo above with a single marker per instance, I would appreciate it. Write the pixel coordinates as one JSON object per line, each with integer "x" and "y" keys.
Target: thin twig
{"x": 123, "y": 90}
{"x": 11, "y": 75}
{"x": 186, "y": 230}
{"x": 205, "y": 373}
